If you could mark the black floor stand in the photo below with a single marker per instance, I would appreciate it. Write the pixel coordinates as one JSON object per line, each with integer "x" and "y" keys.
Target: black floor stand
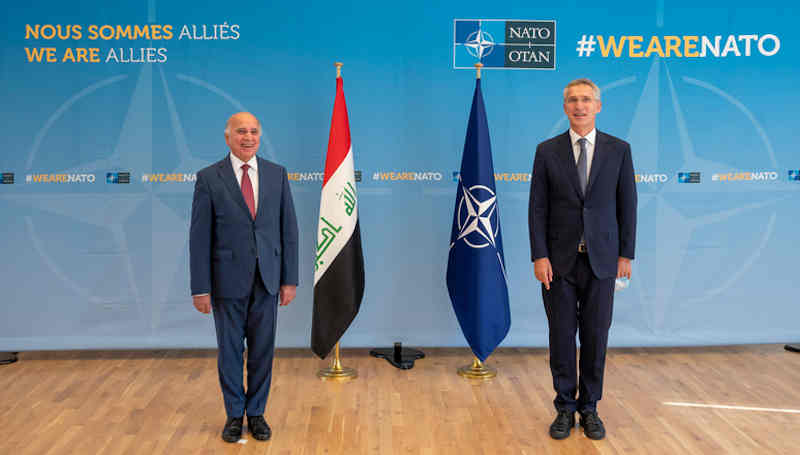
{"x": 792, "y": 347}
{"x": 398, "y": 356}
{"x": 8, "y": 357}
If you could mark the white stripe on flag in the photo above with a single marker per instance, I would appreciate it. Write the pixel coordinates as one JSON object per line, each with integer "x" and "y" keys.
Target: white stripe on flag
{"x": 336, "y": 226}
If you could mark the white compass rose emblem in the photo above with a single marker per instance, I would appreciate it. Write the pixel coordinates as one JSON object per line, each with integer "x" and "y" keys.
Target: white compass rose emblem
{"x": 477, "y": 216}
{"x": 479, "y": 44}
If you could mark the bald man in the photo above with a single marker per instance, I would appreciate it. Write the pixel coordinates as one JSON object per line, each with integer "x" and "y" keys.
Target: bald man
{"x": 243, "y": 260}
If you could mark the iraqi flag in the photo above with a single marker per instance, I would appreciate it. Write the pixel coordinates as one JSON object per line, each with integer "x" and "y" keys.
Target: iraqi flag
{"x": 476, "y": 276}
{"x": 339, "y": 264}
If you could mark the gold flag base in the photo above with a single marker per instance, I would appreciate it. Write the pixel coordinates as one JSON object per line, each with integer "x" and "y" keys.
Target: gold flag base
{"x": 478, "y": 371}
{"x": 339, "y": 375}
{"x": 336, "y": 372}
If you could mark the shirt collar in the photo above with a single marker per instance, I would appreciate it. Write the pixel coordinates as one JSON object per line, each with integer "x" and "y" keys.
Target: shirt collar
{"x": 589, "y": 137}
{"x": 237, "y": 163}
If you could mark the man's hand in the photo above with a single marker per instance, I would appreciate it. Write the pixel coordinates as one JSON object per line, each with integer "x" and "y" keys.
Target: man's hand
{"x": 543, "y": 271}
{"x": 624, "y": 268}
{"x": 202, "y": 303}
{"x": 288, "y": 291}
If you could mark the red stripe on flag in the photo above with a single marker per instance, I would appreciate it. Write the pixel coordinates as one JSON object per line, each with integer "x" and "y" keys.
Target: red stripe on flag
{"x": 339, "y": 139}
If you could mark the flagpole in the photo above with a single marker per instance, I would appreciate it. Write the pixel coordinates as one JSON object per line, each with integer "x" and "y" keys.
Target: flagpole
{"x": 336, "y": 372}
{"x": 477, "y": 370}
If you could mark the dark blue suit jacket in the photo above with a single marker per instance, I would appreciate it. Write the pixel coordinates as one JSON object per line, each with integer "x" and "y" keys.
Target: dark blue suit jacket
{"x": 559, "y": 213}
{"x": 225, "y": 242}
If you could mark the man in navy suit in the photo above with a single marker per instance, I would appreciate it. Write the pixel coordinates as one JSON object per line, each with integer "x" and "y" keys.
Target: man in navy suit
{"x": 582, "y": 221}
{"x": 243, "y": 259}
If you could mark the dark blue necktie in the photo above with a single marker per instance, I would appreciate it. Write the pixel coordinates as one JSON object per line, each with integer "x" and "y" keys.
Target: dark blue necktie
{"x": 582, "y": 168}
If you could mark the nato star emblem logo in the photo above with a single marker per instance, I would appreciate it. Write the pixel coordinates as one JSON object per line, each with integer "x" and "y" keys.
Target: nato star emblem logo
{"x": 688, "y": 177}
{"x": 477, "y": 216}
{"x": 479, "y": 44}
{"x": 504, "y": 44}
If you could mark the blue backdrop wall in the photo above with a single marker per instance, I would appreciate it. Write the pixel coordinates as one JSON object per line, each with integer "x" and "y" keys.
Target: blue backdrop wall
{"x": 93, "y": 262}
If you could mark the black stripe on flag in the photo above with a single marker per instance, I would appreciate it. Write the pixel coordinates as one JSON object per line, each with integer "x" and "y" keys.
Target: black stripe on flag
{"x": 337, "y": 296}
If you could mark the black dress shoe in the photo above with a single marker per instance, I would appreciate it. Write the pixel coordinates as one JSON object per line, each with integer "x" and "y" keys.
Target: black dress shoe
{"x": 259, "y": 427}
{"x": 562, "y": 425}
{"x": 592, "y": 425}
{"x": 233, "y": 429}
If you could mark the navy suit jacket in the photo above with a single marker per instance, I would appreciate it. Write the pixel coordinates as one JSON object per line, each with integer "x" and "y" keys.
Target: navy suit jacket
{"x": 558, "y": 212}
{"x": 225, "y": 243}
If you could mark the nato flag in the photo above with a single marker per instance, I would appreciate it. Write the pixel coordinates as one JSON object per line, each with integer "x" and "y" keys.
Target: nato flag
{"x": 476, "y": 276}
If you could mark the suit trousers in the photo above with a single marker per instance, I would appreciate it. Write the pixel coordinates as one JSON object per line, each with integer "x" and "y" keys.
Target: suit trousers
{"x": 578, "y": 302}
{"x": 252, "y": 318}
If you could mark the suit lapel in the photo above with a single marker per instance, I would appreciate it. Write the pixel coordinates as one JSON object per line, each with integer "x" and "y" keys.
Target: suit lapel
{"x": 225, "y": 170}
{"x": 598, "y": 160}
{"x": 262, "y": 185}
{"x": 567, "y": 160}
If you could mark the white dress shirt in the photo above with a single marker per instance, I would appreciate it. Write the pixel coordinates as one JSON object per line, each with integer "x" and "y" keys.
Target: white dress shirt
{"x": 252, "y": 173}
{"x": 576, "y": 148}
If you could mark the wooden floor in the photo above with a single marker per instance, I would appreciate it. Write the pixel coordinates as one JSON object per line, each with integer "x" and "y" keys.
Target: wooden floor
{"x": 168, "y": 402}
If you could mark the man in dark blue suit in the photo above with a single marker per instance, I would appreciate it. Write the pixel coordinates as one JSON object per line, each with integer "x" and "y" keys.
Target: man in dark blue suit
{"x": 582, "y": 221}
{"x": 243, "y": 258}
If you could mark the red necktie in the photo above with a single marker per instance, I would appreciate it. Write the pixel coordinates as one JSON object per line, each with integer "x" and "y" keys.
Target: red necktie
{"x": 247, "y": 191}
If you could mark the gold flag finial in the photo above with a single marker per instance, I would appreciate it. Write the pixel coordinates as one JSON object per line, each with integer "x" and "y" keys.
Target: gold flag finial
{"x": 338, "y": 66}
{"x": 478, "y": 67}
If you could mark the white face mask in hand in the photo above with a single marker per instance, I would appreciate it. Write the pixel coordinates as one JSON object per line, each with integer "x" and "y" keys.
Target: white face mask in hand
{"x": 621, "y": 283}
